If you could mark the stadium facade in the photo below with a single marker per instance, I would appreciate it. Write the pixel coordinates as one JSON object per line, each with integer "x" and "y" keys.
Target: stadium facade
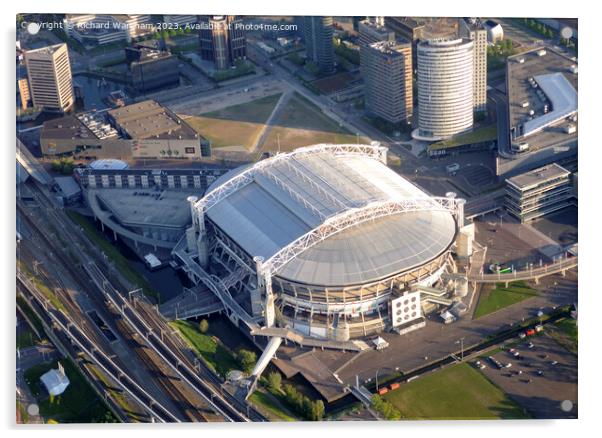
{"x": 326, "y": 241}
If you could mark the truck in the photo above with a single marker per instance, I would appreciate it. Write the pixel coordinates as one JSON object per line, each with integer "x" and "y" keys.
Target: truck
{"x": 520, "y": 147}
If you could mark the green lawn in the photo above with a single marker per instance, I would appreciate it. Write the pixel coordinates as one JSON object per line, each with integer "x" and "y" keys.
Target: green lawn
{"x": 237, "y": 125}
{"x": 486, "y": 133}
{"x": 565, "y": 333}
{"x": 500, "y": 297}
{"x": 78, "y": 404}
{"x": 301, "y": 123}
{"x": 209, "y": 347}
{"x": 113, "y": 253}
{"x": 459, "y": 392}
{"x": 270, "y": 406}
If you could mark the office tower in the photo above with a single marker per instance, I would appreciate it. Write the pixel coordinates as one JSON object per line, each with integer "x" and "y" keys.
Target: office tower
{"x": 222, "y": 40}
{"x": 387, "y": 68}
{"x": 445, "y": 88}
{"x": 318, "y": 33}
{"x": 50, "y": 81}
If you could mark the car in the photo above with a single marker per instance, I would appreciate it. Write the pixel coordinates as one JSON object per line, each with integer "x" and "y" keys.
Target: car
{"x": 483, "y": 366}
{"x": 554, "y": 362}
{"x": 508, "y": 365}
{"x": 520, "y": 372}
{"x": 516, "y": 354}
{"x": 522, "y": 335}
{"x": 539, "y": 372}
{"x": 530, "y": 345}
{"x": 452, "y": 168}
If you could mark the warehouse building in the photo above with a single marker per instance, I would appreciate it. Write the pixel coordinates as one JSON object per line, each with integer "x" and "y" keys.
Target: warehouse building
{"x": 138, "y": 131}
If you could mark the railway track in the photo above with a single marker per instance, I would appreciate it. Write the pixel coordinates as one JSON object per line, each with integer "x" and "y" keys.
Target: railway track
{"x": 53, "y": 317}
{"x": 179, "y": 365}
{"x": 191, "y": 413}
{"x": 186, "y": 375}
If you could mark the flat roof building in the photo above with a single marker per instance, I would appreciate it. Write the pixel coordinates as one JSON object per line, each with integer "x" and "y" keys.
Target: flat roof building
{"x": 538, "y": 192}
{"x": 148, "y": 119}
{"x": 542, "y": 92}
{"x": 50, "y": 80}
{"x": 141, "y": 130}
{"x": 387, "y": 69}
{"x": 152, "y": 69}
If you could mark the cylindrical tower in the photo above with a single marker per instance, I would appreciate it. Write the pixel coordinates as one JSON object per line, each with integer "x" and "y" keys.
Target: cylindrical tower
{"x": 445, "y": 88}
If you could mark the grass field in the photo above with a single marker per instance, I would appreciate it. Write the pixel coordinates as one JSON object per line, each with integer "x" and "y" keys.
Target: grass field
{"x": 78, "y": 404}
{"x": 301, "y": 123}
{"x": 565, "y": 333}
{"x": 237, "y": 125}
{"x": 113, "y": 253}
{"x": 458, "y": 392}
{"x": 213, "y": 351}
{"x": 270, "y": 406}
{"x": 495, "y": 299}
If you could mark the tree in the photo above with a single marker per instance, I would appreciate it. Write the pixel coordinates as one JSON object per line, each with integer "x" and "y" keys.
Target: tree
{"x": 385, "y": 408}
{"x": 318, "y": 410}
{"x": 247, "y": 360}
{"x": 204, "y": 326}
{"x": 274, "y": 381}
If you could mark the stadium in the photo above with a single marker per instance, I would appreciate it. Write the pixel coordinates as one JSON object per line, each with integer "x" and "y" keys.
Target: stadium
{"x": 326, "y": 241}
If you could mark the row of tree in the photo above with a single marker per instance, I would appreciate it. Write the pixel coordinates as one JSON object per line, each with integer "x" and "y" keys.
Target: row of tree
{"x": 303, "y": 405}
{"x": 539, "y": 27}
{"x": 385, "y": 408}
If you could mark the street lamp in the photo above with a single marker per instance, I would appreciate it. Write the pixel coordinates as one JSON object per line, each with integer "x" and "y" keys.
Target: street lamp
{"x": 461, "y": 342}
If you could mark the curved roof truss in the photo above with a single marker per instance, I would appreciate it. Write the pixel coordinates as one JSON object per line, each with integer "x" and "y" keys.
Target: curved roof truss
{"x": 352, "y": 217}
{"x": 246, "y": 177}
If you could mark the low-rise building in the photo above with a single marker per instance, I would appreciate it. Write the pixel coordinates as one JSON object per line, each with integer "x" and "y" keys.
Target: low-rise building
{"x": 138, "y": 131}
{"x": 538, "y": 192}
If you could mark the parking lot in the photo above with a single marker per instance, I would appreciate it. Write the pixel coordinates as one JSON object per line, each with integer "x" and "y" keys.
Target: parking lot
{"x": 542, "y": 377}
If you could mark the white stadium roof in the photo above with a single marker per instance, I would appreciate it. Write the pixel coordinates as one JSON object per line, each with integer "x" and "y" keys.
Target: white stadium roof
{"x": 291, "y": 194}
{"x": 563, "y": 97}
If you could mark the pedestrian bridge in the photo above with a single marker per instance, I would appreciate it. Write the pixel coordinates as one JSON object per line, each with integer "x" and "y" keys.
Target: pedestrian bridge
{"x": 534, "y": 273}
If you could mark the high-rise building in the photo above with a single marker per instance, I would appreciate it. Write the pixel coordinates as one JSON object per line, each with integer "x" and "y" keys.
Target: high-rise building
{"x": 387, "y": 69}
{"x": 372, "y": 31}
{"x": 445, "y": 88}
{"x": 222, "y": 39}
{"x": 50, "y": 80}
{"x": 473, "y": 29}
{"x": 318, "y": 32}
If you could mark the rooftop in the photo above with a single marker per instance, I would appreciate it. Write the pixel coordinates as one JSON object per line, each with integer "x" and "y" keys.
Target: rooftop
{"x": 535, "y": 177}
{"x": 48, "y": 50}
{"x": 562, "y": 96}
{"x": 294, "y": 195}
{"x": 67, "y": 127}
{"x": 148, "y": 119}
{"x": 389, "y": 47}
{"x": 137, "y": 207}
{"x": 555, "y": 86}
